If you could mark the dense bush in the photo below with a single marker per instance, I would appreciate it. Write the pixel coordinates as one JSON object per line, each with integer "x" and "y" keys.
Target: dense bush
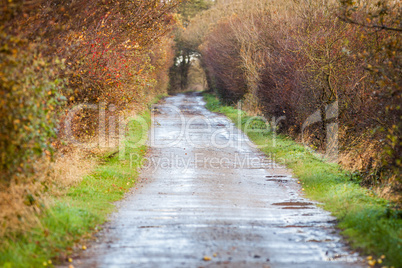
{"x": 29, "y": 100}
{"x": 55, "y": 54}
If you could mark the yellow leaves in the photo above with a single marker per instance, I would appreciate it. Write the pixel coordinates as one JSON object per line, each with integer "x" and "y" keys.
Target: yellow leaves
{"x": 372, "y": 262}
{"x": 46, "y": 263}
{"x": 207, "y": 258}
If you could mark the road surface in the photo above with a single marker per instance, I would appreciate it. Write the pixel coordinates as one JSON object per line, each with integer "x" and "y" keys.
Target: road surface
{"x": 207, "y": 193}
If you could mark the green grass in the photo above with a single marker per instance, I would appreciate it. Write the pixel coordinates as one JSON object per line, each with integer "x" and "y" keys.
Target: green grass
{"x": 368, "y": 222}
{"x": 77, "y": 214}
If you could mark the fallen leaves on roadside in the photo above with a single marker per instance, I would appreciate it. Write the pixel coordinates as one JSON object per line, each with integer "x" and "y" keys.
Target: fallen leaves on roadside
{"x": 207, "y": 258}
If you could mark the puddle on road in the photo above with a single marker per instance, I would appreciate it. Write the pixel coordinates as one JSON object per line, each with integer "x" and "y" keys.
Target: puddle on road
{"x": 295, "y": 226}
{"x": 320, "y": 241}
{"x": 293, "y": 204}
{"x": 278, "y": 180}
{"x": 296, "y": 208}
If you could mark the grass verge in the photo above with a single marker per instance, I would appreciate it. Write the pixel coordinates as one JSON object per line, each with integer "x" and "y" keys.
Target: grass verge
{"x": 75, "y": 216}
{"x": 369, "y": 223}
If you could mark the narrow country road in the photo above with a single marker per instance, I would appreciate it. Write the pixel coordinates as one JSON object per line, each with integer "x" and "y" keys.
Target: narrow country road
{"x": 206, "y": 191}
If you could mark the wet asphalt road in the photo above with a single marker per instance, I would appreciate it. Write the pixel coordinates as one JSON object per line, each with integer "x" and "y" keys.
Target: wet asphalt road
{"x": 206, "y": 191}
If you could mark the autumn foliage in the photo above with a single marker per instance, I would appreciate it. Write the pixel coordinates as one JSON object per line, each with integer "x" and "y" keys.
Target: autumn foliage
{"x": 55, "y": 55}
{"x": 292, "y": 59}
{"x": 59, "y": 53}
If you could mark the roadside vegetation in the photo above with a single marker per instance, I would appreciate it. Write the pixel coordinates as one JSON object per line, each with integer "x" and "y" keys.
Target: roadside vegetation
{"x": 316, "y": 65}
{"x": 69, "y": 221}
{"x": 369, "y": 222}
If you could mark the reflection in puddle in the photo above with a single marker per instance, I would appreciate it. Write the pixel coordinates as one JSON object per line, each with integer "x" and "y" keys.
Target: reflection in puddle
{"x": 278, "y": 180}
{"x": 296, "y": 207}
{"x": 293, "y": 204}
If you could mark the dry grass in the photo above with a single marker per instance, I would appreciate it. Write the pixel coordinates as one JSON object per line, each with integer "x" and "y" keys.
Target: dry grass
{"x": 20, "y": 203}
{"x": 365, "y": 154}
{"x": 390, "y": 191}
{"x": 362, "y": 151}
{"x": 68, "y": 170}
{"x": 23, "y": 200}
{"x": 250, "y": 105}
{"x": 364, "y": 157}
{"x": 361, "y": 157}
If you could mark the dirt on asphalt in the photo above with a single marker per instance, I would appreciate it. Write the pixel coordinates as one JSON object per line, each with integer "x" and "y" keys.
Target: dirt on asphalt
{"x": 207, "y": 197}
